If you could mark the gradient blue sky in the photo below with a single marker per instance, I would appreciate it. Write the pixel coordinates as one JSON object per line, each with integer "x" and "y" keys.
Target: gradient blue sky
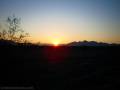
{"x": 64, "y": 21}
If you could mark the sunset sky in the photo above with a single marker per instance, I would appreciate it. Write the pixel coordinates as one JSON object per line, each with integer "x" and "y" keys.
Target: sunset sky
{"x": 63, "y": 21}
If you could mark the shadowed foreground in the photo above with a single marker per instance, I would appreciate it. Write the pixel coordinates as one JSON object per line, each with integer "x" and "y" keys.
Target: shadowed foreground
{"x": 59, "y": 68}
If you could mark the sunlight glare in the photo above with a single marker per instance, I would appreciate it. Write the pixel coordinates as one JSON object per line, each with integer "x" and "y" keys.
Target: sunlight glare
{"x": 56, "y": 43}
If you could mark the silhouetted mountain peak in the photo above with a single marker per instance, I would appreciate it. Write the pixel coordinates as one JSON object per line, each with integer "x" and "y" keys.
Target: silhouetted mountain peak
{"x": 88, "y": 43}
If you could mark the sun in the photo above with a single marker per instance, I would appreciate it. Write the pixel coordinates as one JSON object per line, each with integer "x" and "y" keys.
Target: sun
{"x": 56, "y": 43}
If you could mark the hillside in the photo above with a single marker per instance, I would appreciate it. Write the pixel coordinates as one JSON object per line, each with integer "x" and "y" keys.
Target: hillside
{"x": 64, "y": 67}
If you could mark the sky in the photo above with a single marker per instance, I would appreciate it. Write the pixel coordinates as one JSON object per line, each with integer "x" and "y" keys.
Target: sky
{"x": 64, "y": 21}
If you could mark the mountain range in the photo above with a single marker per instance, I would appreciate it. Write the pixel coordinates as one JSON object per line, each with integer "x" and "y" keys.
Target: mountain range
{"x": 89, "y": 43}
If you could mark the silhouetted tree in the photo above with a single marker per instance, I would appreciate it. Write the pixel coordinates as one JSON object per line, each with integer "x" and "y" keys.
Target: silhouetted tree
{"x": 14, "y": 32}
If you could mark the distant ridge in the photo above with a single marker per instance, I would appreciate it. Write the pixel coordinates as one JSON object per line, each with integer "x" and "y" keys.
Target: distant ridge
{"x": 90, "y": 43}
{"x": 79, "y": 43}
